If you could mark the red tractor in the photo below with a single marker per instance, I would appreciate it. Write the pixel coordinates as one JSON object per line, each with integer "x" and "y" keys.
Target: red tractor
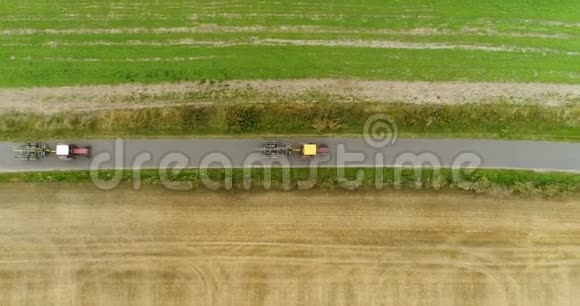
{"x": 71, "y": 151}
{"x": 37, "y": 150}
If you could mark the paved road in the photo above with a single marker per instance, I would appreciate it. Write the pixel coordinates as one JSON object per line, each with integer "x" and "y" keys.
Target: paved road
{"x": 493, "y": 154}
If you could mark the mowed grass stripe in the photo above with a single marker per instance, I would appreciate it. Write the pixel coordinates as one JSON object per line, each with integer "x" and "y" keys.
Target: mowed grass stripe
{"x": 516, "y": 9}
{"x": 520, "y": 15}
{"x": 284, "y": 62}
{"x": 182, "y": 36}
{"x": 404, "y": 23}
{"x": 374, "y": 44}
{"x": 305, "y": 30}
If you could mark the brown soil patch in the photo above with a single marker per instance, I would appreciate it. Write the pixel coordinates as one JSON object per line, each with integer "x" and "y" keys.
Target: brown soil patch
{"x": 132, "y": 95}
{"x": 73, "y": 245}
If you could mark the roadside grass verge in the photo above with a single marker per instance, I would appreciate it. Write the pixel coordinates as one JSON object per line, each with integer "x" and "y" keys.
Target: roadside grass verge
{"x": 484, "y": 120}
{"x": 504, "y": 183}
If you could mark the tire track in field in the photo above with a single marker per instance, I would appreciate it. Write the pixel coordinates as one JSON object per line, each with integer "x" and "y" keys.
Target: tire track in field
{"x": 214, "y": 28}
{"x": 385, "y": 44}
{"x": 115, "y": 60}
{"x": 371, "y": 44}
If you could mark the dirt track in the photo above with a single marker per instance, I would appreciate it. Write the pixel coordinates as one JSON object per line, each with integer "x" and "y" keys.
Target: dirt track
{"x": 65, "y": 245}
{"x": 54, "y": 99}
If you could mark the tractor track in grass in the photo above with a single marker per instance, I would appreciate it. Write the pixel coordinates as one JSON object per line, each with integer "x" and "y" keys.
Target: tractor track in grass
{"x": 213, "y": 28}
{"x": 372, "y": 44}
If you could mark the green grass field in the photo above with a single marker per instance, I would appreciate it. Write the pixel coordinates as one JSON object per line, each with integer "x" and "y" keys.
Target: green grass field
{"x": 64, "y": 42}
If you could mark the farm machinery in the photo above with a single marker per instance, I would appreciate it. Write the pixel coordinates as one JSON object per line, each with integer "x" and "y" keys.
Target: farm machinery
{"x": 273, "y": 149}
{"x": 36, "y": 151}
{"x": 31, "y": 151}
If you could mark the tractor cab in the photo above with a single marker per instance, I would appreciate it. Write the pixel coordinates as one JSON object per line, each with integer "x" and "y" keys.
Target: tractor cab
{"x": 310, "y": 150}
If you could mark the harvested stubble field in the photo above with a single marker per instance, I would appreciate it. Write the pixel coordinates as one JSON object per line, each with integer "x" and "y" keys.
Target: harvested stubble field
{"x": 74, "y": 245}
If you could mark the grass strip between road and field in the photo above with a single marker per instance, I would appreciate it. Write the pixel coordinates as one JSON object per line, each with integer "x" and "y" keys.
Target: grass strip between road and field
{"x": 481, "y": 181}
{"x": 323, "y": 117}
